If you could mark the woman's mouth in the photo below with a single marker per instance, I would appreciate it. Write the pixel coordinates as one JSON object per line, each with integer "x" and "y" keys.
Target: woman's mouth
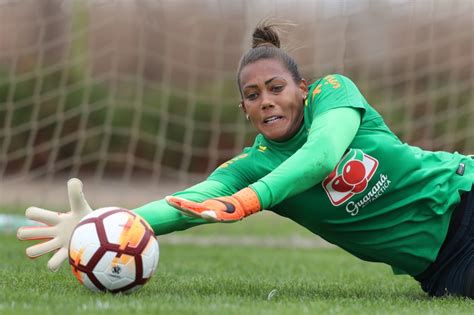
{"x": 272, "y": 119}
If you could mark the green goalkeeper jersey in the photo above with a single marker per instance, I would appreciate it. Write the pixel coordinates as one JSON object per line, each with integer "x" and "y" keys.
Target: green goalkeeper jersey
{"x": 385, "y": 201}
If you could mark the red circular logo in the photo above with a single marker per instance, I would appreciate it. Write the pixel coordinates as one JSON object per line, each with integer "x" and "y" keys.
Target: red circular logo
{"x": 353, "y": 172}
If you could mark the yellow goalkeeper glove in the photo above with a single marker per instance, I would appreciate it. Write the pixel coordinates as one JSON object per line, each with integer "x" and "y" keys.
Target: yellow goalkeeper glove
{"x": 222, "y": 209}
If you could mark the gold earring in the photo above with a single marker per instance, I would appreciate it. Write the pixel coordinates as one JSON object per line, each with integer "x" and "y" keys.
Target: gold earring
{"x": 247, "y": 116}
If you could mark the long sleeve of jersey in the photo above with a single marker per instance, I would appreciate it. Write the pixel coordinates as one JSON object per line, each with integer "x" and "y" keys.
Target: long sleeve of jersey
{"x": 164, "y": 219}
{"x": 330, "y": 135}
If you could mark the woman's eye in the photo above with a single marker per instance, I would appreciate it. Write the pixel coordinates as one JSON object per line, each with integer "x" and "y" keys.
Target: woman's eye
{"x": 252, "y": 96}
{"x": 277, "y": 88}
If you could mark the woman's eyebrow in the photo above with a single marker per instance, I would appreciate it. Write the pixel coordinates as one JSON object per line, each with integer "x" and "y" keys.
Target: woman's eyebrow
{"x": 266, "y": 82}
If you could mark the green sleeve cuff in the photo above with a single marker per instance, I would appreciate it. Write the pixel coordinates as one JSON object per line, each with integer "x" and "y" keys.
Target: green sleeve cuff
{"x": 263, "y": 192}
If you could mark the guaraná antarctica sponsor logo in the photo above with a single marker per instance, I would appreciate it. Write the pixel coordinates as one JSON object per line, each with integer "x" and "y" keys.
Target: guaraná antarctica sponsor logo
{"x": 350, "y": 177}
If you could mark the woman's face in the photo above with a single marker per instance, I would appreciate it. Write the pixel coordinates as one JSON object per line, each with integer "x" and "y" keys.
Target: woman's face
{"x": 272, "y": 100}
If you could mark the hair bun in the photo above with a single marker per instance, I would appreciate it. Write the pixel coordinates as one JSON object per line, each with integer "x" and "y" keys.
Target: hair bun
{"x": 265, "y": 34}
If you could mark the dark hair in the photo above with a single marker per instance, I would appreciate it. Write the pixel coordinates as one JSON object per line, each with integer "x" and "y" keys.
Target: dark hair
{"x": 266, "y": 45}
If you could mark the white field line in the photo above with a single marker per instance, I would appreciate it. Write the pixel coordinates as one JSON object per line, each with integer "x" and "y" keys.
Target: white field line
{"x": 291, "y": 241}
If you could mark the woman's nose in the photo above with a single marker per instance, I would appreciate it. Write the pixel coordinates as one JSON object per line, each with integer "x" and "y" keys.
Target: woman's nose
{"x": 266, "y": 102}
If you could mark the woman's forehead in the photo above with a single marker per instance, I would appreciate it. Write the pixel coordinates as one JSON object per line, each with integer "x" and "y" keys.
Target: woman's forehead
{"x": 262, "y": 71}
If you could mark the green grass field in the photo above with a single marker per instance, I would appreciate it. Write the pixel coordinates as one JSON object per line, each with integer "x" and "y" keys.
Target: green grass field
{"x": 232, "y": 279}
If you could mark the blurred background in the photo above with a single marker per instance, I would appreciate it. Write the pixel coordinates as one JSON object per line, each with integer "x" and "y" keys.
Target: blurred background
{"x": 138, "y": 98}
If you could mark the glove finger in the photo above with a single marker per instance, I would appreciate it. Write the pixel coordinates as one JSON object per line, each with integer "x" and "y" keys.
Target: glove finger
{"x": 189, "y": 213}
{"x": 43, "y": 216}
{"x": 58, "y": 258}
{"x": 77, "y": 200}
{"x": 210, "y": 216}
{"x": 190, "y": 208}
{"x": 219, "y": 216}
{"x": 43, "y": 248}
{"x": 35, "y": 232}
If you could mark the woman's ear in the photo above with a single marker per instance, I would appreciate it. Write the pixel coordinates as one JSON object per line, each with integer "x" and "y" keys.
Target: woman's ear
{"x": 242, "y": 106}
{"x": 303, "y": 86}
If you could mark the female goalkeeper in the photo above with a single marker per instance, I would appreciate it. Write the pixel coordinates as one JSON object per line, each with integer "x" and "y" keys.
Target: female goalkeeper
{"x": 325, "y": 159}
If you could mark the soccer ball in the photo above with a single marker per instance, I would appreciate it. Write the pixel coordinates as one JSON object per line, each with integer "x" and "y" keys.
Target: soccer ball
{"x": 113, "y": 249}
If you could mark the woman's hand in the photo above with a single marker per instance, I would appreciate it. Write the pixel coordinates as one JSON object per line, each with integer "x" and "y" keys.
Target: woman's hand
{"x": 222, "y": 209}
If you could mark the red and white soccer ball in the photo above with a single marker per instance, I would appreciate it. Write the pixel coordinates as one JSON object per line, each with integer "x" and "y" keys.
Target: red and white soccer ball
{"x": 113, "y": 249}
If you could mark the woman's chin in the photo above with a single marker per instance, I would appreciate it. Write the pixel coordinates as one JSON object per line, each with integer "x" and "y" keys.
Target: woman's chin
{"x": 279, "y": 131}
{"x": 274, "y": 131}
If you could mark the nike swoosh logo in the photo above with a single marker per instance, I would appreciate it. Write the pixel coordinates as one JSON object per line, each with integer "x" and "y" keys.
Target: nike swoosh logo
{"x": 229, "y": 208}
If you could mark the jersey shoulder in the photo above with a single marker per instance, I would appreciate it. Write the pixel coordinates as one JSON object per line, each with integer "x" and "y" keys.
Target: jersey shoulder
{"x": 334, "y": 91}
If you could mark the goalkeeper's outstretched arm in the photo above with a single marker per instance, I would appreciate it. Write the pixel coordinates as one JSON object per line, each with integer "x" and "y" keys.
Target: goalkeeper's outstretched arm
{"x": 59, "y": 226}
{"x": 306, "y": 167}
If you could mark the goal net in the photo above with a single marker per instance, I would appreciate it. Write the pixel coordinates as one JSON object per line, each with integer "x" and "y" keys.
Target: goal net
{"x": 142, "y": 94}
